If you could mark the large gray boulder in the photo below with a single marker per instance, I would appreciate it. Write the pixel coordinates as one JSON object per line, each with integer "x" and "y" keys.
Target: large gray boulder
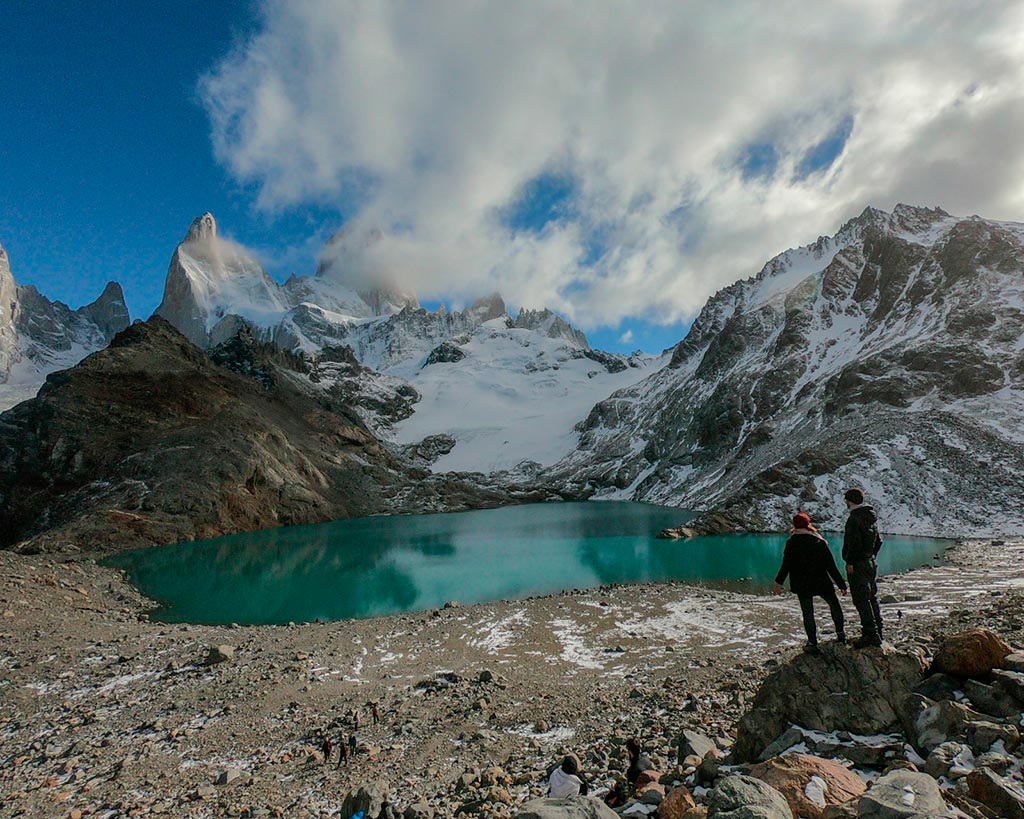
{"x": 902, "y": 794}
{"x": 372, "y": 799}
{"x": 576, "y": 807}
{"x": 743, "y": 797}
{"x": 838, "y": 690}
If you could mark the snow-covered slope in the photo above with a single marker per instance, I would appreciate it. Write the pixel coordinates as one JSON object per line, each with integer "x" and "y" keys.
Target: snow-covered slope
{"x": 39, "y": 336}
{"x": 507, "y": 394}
{"x": 890, "y": 356}
{"x": 503, "y": 390}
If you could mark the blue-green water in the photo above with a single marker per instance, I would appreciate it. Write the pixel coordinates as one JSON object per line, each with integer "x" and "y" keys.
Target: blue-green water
{"x": 385, "y": 565}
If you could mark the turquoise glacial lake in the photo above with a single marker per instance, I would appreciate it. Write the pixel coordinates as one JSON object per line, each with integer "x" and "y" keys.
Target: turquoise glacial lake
{"x": 368, "y": 567}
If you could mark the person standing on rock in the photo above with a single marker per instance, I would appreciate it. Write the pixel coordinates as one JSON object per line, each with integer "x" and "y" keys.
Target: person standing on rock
{"x": 812, "y": 570}
{"x": 638, "y": 762}
{"x": 566, "y": 780}
{"x": 861, "y": 543}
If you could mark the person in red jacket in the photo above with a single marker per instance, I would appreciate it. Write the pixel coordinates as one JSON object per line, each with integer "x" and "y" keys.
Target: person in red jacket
{"x": 812, "y": 570}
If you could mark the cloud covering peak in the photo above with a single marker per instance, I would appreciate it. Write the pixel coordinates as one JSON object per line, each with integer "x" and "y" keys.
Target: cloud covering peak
{"x": 612, "y": 160}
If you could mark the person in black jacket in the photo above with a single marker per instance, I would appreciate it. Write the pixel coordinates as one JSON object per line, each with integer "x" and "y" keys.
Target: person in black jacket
{"x": 861, "y": 543}
{"x": 812, "y": 570}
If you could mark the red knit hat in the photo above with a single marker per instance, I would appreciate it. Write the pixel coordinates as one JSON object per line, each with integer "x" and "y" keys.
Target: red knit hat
{"x": 801, "y": 521}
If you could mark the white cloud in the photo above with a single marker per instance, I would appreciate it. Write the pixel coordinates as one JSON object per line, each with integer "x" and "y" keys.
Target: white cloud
{"x": 435, "y": 115}
{"x": 626, "y": 337}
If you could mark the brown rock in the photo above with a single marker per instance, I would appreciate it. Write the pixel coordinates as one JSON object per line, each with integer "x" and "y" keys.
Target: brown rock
{"x": 794, "y": 777}
{"x": 646, "y": 778}
{"x": 698, "y": 812}
{"x": 971, "y": 653}
{"x": 996, "y": 793}
{"x": 677, "y": 803}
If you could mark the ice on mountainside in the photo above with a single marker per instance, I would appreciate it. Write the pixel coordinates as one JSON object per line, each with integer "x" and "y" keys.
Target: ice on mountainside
{"x": 39, "y": 336}
{"x": 505, "y": 390}
{"x": 889, "y": 356}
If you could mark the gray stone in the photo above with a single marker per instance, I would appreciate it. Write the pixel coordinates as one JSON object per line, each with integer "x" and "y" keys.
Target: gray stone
{"x": 901, "y": 795}
{"x": 990, "y": 700}
{"x": 1010, "y": 682}
{"x": 694, "y": 743}
{"x": 982, "y": 735}
{"x": 372, "y": 799}
{"x": 928, "y": 724}
{"x": 950, "y": 759}
{"x": 995, "y": 793}
{"x": 938, "y": 687}
{"x": 1014, "y": 661}
{"x": 219, "y": 654}
{"x": 743, "y": 797}
{"x": 418, "y": 810}
{"x": 999, "y": 763}
{"x": 233, "y": 776}
{"x": 842, "y": 689}
{"x": 577, "y": 807}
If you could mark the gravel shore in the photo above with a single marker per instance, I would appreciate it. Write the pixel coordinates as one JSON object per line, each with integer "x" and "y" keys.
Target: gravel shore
{"x": 107, "y": 714}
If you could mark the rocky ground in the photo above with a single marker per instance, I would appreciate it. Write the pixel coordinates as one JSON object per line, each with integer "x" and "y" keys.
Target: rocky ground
{"x": 103, "y": 713}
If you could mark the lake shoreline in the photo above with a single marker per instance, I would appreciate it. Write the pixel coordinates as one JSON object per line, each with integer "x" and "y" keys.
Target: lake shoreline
{"x": 110, "y": 711}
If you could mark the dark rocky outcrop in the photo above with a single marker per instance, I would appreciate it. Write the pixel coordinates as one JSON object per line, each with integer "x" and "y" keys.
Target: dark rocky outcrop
{"x": 843, "y": 689}
{"x": 153, "y": 441}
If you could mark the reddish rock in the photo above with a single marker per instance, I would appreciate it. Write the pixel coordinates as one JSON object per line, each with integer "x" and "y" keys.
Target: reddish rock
{"x": 830, "y": 783}
{"x": 646, "y": 778}
{"x": 677, "y": 803}
{"x": 972, "y": 653}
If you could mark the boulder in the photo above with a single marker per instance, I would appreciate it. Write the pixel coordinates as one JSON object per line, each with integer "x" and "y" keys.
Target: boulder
{"x": 694, "y": 743}
{"x": 928, "y": 724}
{"x": 1014, "y": 661}
{"x": 982, "y": 735}
{"x": 743, "y": 797}
{"x": 233, "y": 776}
{"x": 418, "y": 810}
{"x": 1012, "y": 683}
{"x": 995, "y": 793}
{"x": 938, "y": 687}
{"x": 646, "y": 778}
{"x": 219, "y": 654}
{"x": 972, "y": 653}
{"x": 844, "y": 811}
{"x": 577, "y": 807}
{"x": 901, "y": 795}
{"x": 676, "y": 804}
{"x": 809, "y": 783}
{"x": 990, "y": 700}
{"x": 840, "y": 689}
{"x": 371, "y": 799}
{"x": 950, "y": 759}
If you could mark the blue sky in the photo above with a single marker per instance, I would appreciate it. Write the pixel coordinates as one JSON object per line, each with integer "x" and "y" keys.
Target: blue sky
{"x": 105, "y": 154}
{"x": 619, "y": 172}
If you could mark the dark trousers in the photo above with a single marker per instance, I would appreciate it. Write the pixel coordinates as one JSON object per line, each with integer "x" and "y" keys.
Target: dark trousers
{"x": 864, "y": 591}
{"x": 807, "y": 609}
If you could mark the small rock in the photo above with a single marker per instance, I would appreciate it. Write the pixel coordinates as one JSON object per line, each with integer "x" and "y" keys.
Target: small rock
{"x": 982, "y": 735}
{"x": 743, "y": 797}
{"x": 219, "y": 654}
{"x": 1014, "y": 661}
{"x": 902, "y": 794}
{"x": 950, "y": 759}
{"x": 676, "y": 804}
{"x": 694, "y": 743}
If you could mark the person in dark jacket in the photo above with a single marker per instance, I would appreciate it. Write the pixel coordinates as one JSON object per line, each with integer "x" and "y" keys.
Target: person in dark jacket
{"x": 812, "y": 570}
{"x": 638, "y": 762}
{"x": 861, "y": 543}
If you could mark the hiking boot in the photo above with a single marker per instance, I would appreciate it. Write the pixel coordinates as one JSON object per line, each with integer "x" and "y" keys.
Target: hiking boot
{"x": 868, "y": 641}
{"x": 812, "y": 648}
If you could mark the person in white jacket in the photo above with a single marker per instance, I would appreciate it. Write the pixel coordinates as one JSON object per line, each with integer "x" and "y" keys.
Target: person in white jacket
{"x": 566, "y": 780}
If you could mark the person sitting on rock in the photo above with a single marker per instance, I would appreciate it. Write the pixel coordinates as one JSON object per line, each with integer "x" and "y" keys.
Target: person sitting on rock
{"x": 638, "y": 762}
{"x": 812, "y": 570}
{"x": 566, "y": 781}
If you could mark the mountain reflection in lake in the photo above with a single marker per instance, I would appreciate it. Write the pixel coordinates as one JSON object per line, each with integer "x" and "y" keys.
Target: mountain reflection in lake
{"x": 384, "y": 565}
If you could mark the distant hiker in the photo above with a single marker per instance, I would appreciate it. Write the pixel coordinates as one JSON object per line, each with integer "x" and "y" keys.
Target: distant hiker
{"x": 352, "y": 745}
{"x": 566, "y": 780}
{"x": 355, "y": 718}
{"x": 342, "y": 751}
{"x": 326, "y": 747}
{"x": 861, "y": 543}
{"x": 812, "y": 570}
{"x": 638, "y": 762}
{"x": 376, "y": 714}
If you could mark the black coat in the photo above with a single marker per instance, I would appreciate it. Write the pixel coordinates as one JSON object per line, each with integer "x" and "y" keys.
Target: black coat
{"x": 861, "y": 540}
{"x": 809, "y": 564}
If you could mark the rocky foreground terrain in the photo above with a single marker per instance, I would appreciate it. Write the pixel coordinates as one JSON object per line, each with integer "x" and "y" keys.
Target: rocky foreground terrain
{"x": 107, "y": 714}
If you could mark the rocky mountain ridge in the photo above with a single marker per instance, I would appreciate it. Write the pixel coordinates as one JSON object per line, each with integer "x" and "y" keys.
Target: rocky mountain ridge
{"x": 889, "y": 356}
{"x": 39, "y": 336}
{"x": 153, "y": 440}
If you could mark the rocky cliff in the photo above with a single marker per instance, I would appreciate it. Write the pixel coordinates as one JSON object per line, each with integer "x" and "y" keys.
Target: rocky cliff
{"x": 154, "y": 441}
{"x": 39, "y": 336}
{"x": 888, "y": 356}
